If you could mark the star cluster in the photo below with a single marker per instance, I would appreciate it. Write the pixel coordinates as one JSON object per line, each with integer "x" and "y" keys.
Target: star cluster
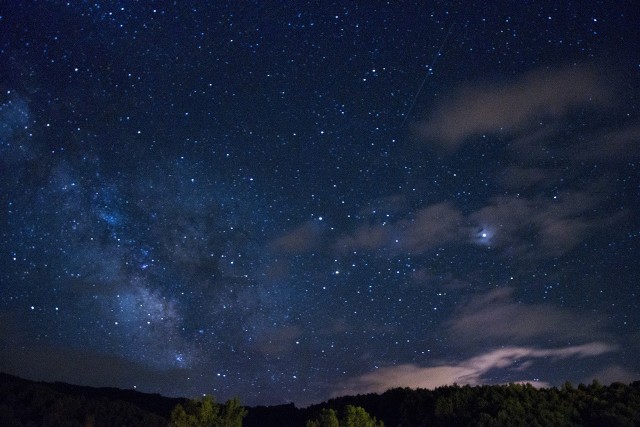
{"x": 288, "y": 203}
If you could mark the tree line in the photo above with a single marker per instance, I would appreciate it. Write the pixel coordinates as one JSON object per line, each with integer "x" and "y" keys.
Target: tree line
{"x": 28, "y": 403}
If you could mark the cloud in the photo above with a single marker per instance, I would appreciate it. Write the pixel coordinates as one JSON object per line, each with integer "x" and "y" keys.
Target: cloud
{"x": 496, "y": 317}
{"x": 491, "y": 319}
{"x": 299, "y": 240}
{"x": 612, "y": 374}
{"x": 523, "y": 177}
{"x": 543, "y": 226}
{"x": 539, "y": 226}
{"x": 372, "y": 237}
{"x": 612, "y": 146}
{"x": 428, "y": 227}
{"x": 513, "y": 107}
{"x": 576, "y": 147}
{"x": 470, "y": 371}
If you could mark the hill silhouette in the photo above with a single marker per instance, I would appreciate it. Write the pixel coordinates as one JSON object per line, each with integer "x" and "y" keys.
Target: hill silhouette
{"x": 31, "y": 403}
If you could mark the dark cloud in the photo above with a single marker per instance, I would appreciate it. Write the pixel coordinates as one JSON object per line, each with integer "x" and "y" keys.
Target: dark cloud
{"x": 495, "y": 317}
{"x": 302, "y": 239}
{"x": 618, "y": 145}
{"x": 425, "y": 229}
{"x": 539, "y": 226}
{"x": 526, "y": 177}
{"x": 612, "y": 374}
{"x": 511, "y": 108}
{"x": 545, "y": 226}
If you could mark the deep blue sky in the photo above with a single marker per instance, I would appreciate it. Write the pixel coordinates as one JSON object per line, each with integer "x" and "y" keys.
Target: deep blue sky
{"x": 296, "y": 200}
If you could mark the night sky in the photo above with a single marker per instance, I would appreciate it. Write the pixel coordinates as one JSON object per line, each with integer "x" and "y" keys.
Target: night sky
{"x": 288, "y": 201}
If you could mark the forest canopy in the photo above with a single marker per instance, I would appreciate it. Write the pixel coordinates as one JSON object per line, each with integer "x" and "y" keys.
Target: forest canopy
{"x": 24, "y": 402}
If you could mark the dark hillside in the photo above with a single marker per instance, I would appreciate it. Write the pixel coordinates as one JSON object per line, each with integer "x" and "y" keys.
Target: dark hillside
{"x": 24, "y": 402}
{"x": 29, "y": 403}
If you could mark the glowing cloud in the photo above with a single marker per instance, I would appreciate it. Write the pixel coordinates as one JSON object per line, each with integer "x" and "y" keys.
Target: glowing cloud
{"x": 470, "y": 371}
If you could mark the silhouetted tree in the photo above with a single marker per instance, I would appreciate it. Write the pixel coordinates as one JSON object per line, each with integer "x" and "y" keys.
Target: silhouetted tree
{"x": 206, "y": 413}
{"x": 354, "y": 416}
{"x": 232, "y": 413}
{"x": 327, "y": 418}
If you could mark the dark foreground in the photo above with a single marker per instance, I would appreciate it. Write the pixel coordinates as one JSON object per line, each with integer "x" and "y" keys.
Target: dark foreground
{"x": 28, "y": 403}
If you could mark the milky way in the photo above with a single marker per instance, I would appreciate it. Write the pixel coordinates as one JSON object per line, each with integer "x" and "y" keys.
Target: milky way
{"x": 293, "y": 203}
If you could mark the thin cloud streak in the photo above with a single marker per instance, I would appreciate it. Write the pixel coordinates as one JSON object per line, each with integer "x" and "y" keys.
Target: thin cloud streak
{"x": 470, "y": 371}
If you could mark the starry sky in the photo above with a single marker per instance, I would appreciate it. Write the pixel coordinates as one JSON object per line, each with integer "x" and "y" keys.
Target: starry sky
{"x": 289, "y": 201}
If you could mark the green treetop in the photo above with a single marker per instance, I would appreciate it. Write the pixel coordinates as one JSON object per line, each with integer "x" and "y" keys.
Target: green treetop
{"x": 206, "y": 413}
{"x": 354, "y": 416}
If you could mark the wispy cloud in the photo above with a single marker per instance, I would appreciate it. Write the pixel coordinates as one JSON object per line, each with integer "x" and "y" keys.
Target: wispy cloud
{"x": 489, "y": 320}
{"x": 537, "y": 226}
{"x": 303, "y": 238}
{"x": 524, "y": 177}
{"x": 470, "y": 371}
{"x": 497, "y": 317}
{"x": 611, "y": 374}
{"x": 512, "y": 107}
{"x": 428, "y": 227}
{"x": 616, "y": 145}
{"x": 545, "y": 226}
